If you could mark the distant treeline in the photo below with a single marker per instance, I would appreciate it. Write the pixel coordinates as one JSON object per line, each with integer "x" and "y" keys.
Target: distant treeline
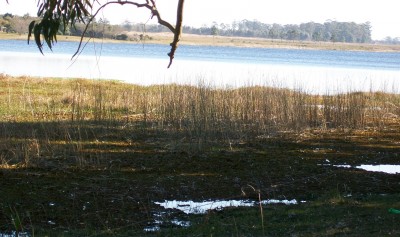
{"x": 330, "y": 31}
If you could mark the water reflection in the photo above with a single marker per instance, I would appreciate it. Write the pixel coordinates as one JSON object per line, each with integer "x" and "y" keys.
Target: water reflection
{"x": 15, "y": 234}
{"x": 146, "y": 71}
{"x": 191, "y": 207}
{"x": 388, "y": 169}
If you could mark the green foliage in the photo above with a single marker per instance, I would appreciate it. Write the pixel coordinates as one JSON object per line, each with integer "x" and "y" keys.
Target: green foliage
{"x": 121, "y": 37}
{"x": 16, "y": 220}
{"x": 54, "y": 14}
{"x": 214, "y": 30}
{"x": 329, "y": 31}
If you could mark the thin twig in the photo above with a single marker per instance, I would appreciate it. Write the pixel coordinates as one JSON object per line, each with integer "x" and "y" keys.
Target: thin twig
{"x": 152, "y": 7}
{"x": 97, "y": 12}
{"x": 258, "y": 191}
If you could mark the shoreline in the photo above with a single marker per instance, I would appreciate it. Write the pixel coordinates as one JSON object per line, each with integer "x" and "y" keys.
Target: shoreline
{"x": 80, "y": 151}
{"x": 190, "y": 39}
{"x": 154, "y": 72}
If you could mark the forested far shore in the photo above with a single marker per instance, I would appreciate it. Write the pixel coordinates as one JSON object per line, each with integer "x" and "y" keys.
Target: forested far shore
{"x": 330, "y": 31}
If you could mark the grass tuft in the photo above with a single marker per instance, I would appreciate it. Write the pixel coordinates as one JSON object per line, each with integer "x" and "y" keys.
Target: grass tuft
{"x": 89, "y": 158}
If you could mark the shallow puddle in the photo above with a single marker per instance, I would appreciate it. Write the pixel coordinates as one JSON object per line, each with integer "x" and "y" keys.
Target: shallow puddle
{"x": 190, "y": 207}
{"x": 15, "y": 234}
{"x": 388, "y": 169}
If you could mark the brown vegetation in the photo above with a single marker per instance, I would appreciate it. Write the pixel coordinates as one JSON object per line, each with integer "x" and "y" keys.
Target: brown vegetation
{"x": 199, "y": 115}
{"x": 81, "y": 157}
{"x": 189, "y": 39}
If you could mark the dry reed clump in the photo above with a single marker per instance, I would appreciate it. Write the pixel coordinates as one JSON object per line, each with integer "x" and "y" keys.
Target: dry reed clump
{"x": 75, "y": 112}
{"x": 195, "y": 110}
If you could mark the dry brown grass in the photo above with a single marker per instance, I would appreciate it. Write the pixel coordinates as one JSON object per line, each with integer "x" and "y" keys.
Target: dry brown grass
{"x": 81, "y": 152}
{"x": 191, "y": 39}
{"x": 199, "y": 115}
{"x": 193, "y": 109}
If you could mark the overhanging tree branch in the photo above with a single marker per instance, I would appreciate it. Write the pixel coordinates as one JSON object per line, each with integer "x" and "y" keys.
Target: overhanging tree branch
{"x": 178, "y": 31}
{"x": 97, "y": 12}
{"x": 156, "y": 13}
{"x": 63, "y": 12}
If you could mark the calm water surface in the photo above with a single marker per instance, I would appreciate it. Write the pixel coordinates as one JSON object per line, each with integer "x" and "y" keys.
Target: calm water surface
{"x": 331, "y": 58}
{"x": 314, "y": 71}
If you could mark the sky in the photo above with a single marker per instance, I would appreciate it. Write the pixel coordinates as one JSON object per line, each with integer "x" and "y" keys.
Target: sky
{"x": 384, "y": 15}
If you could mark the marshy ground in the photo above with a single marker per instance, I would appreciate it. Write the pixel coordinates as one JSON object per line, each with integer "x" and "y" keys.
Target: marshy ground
{"x": 91, "y": 158}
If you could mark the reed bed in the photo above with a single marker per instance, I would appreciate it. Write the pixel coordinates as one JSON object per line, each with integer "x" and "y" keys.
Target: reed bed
{"x": 39, "y": 115}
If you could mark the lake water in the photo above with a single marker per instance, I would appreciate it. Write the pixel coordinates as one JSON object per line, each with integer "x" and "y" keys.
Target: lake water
{"x": 312, "y": 71}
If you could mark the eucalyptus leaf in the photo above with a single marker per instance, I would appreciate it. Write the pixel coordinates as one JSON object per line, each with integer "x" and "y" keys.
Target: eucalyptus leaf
{"x": 31, "y": 25}
{"x": 67, "y": 13}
